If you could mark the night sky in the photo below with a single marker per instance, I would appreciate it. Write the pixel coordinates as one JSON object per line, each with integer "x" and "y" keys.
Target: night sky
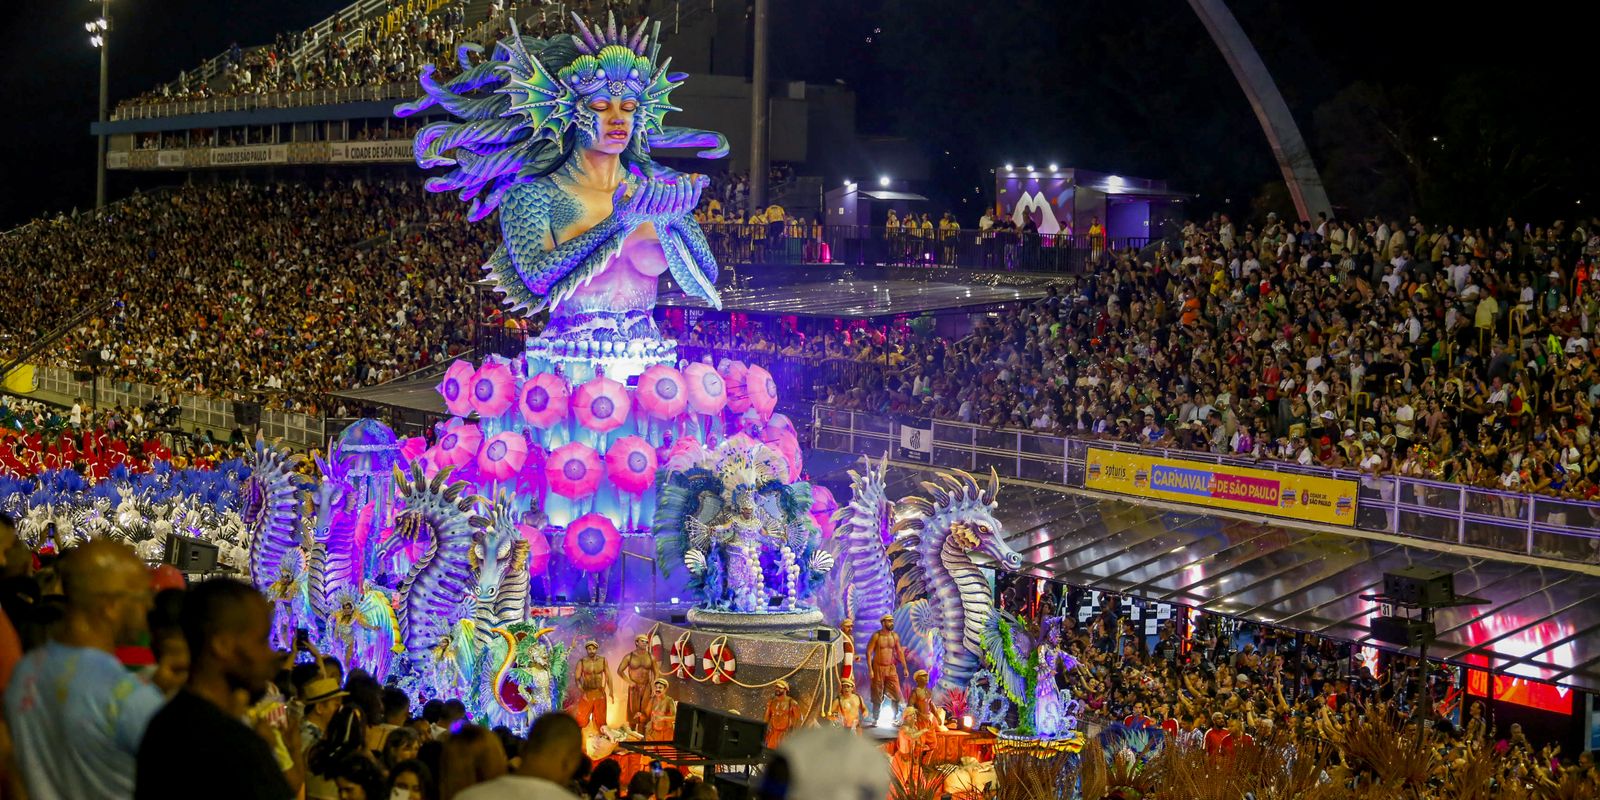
{"x": 1129, "y": 87}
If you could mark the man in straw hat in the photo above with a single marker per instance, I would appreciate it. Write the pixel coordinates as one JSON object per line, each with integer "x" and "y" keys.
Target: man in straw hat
{"x": 849, "y": 709}
{"x": 783, "y": 714}
{"x": 638, "y": 668}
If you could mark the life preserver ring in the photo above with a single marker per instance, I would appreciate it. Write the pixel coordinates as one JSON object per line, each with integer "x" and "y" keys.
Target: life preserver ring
{"x": 655, "y": 645}
{"x": 718, "y": 663}
{"x": 681, "y": 658}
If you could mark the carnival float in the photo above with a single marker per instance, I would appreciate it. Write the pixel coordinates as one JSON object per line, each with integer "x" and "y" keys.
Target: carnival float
{"x": 485, "y": 562}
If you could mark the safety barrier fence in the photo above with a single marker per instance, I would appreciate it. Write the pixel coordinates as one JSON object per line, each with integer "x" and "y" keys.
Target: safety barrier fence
{"x": 301, "y": 429}
{"x": 1548, "y": 527}
{"x": 863, "y": 245}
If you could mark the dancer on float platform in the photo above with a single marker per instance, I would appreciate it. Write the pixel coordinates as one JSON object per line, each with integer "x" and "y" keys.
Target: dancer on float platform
{"x": 638, "y": 668}
{"x": 594, "y": 687}
{"x": 888, "y": 661}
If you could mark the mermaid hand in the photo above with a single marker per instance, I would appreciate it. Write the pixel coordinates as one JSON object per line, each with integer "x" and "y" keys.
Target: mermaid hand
{"x": 639, "y": 199}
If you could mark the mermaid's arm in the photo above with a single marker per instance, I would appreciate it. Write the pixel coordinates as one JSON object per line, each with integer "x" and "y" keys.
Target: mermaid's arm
{"x": 533, "y": 277}
{"x": 690, "y": 260}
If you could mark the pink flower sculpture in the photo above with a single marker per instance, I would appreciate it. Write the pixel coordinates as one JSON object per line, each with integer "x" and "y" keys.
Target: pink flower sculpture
{"x": 592, "y": 543}
{"x": 454, "y": 388}
{"x": 823, "y": 506}
{"x": 708, "y": 393}
{"x": 631, "y": 463}
{"x": 459, "y": 445}
{"x": 573, "y": 470}
{"x": 494, "y": 390}
{"x": 734, "y": 374}
{"x": 538, "y": 549}
{"x": 411, "y": 448}
{"x": 502, "y": 456}
{"x": 662, "y": 392}
{"x": 543, "y": 400}
{"x": 784, "y": 444}
{"x": 763, "y": 391}
{"x": 601, "y": 405}
{"x": 683, "y": 454}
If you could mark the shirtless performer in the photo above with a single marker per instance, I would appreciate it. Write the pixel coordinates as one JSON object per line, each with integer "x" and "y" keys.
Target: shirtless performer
{"x": 663, "y": 713}
{"x": 638, "y": 668}
{"x": 922, "y": 700}
{"x": 888, "y": 658}
{"x": 783, "y": 714}
{"x": 594, "y": 683}
{"x": 849, "y": 710}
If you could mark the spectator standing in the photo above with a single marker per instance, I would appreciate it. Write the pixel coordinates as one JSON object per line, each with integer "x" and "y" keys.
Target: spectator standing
{"x": 76, "y": 714}
{"x": 198, "y": 739}
{"x": 550, "y": 759}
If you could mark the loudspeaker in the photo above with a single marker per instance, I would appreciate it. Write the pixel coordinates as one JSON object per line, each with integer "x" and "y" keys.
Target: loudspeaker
{"x": 82, "y": 375}
{"x": 716, "y": 735}
{"x": 1400, "y": 630}
{"x": 1421, "y": 587}
{"x": 190, "y": 554}
{"x": 246, "y": 414}
{"x": 733, "y": 785}
{"x": 826, "y": 634}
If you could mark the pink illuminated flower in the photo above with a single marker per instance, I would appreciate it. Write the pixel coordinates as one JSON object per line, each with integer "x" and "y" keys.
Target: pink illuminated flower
{"x": 734, "y": 374}
{"x": 493, "y": 390}
{"x": 708, "y": 394}
{"x": 543, "y": 400}
{"x": 454, "y": 388}
{"x": 592, "y": 543}
{"x": 763, "y": 391}
{"x": 662, "y": 392}
{"x": 502, "y": 456}
{"x": 574, "y": 470}
{"x": 601, "y": 405}
{"x": 538, "y": 549}
{"x": 459, "y": 445}
{"x": 631, "y": 463}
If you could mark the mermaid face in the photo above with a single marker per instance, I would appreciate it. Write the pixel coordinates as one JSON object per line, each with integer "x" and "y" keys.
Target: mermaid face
{"x": 608, "y": 124}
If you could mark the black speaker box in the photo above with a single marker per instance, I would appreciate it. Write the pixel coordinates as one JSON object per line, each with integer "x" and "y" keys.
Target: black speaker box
{"x": 1422, "y": 587}
{"x": 190, "y": 554}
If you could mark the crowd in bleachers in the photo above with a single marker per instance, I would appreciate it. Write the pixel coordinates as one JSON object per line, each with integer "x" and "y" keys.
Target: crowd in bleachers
{"x": 388, "y": 48}
{"x": 1298, "y": 708}
{"x": 1414, "y": 349}
{"x": 280, "y": 292}
{"x": 35, "y": 437}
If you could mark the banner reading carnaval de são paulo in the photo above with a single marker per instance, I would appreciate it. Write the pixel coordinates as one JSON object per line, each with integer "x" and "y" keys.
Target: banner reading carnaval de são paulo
{"x": 1325, "y": 500}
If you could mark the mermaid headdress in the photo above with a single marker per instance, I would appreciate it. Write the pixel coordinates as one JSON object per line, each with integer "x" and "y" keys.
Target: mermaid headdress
{"x": 614, "y": 64}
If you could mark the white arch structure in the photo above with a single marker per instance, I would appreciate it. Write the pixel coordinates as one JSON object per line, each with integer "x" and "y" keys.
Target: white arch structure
{"x": 1288, "y": 146}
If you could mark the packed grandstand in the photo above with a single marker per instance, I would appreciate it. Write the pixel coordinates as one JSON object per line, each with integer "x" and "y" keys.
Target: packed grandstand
{"x": 1379, "y": 345}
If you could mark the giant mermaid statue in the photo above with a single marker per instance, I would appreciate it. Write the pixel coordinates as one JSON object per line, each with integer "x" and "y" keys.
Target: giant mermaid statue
{"x": 556, "y": 133}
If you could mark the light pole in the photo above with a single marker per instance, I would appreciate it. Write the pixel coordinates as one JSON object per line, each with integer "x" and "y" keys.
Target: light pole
{"x": 98, "y": 31}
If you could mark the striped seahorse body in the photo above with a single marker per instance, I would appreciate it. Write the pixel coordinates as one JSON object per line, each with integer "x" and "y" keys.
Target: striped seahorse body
{"x": 863, "y": 582}
{"x": 441, "y": 588}
{"x": 271, "y": 507}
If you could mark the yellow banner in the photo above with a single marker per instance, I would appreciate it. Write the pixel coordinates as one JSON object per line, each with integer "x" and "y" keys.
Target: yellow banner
{"x": 21, "y": 380}
{"x": 1258, "y": 491}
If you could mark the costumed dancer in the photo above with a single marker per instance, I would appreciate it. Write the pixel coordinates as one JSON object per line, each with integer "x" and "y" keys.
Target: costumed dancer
{"x": 663, "y": 713}
{"x": 638, "y": 668}
{"x": 922, "y": 700}
{"x": 847, "y": 667}
{"x": 849, "y": 709}
{"x": 594, "y": 687}
{"x": 783, "y": 714}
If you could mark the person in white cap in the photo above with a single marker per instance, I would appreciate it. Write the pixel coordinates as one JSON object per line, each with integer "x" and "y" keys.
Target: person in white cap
{"x": 825, "y": 764}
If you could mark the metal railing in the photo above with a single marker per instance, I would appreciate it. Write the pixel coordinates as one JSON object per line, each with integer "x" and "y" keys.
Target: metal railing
{"x": 1534, "y": 525}
{"x": 207, "y": 412}
{"x": 861, "y": 245}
